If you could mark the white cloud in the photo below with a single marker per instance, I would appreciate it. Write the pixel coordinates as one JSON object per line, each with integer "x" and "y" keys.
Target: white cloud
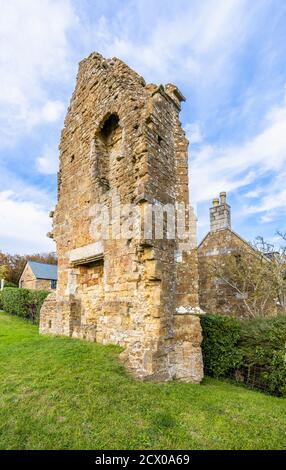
{"x": 232, "y": 167}
{"x": 270, "y": 199}
{"x": 266, "y": 218}
{"x": 254, "y": 193}
{"x": 193, "y": 133}
{"x": 24, "y": 215}
{"x": 195, "y": 44}
{"x": 48, "y": 162}
{"x": 24, "y": 225}
{"x": 34, "y": 54}
{"x": 193, "y": 41}
{"x": 52, "y": 110}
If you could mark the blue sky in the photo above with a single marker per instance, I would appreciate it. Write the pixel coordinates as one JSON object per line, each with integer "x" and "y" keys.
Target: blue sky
{"x": 228, "y": 57}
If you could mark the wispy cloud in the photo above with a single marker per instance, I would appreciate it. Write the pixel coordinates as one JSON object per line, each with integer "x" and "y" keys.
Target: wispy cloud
{"x": 232, "y": 167}
{"x": 226, "y": 56}
{"x": 193, "y": 133}
{"x": 176, "y": 42}
{"x": 26, "y": 225}
{"x": 34, "y": 54}
{"x": 48, "y": 162}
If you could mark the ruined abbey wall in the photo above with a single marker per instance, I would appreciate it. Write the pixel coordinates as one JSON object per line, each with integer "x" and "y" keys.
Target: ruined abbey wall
{"x": 123, "y": 145}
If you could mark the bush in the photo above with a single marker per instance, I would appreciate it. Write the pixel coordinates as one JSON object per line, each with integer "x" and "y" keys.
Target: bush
{"x": 251, "y": 351}
{"x": 24, "y": 303}
{"x": 37, "y": 298}
{"x": 10, "y": 284}
{"x": 262, "y": 345}
{"x": 15, "y": 301}
{"x": 219, "y": 347}
{"x": 7, "y": 284}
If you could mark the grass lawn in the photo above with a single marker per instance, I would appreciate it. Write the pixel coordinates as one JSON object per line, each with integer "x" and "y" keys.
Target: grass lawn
{"x": 58, "y": 393}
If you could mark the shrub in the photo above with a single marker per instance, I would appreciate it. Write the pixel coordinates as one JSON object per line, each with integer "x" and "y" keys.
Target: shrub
{"x": 262, "y": 345}
{"x": 24, "y": 303}
{"x": 15, "y": 301}
{"x": 251, "y": 351}
{"x": 220, "y": 338}
{"x": 37, "y": 298}
{"x": 10, "y": 284}
{"x": 7, "y": 284}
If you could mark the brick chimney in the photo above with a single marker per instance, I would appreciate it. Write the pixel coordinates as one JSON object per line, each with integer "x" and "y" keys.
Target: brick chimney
{"x": 220, "y": 214}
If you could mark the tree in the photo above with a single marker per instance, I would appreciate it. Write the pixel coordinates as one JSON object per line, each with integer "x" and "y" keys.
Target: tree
{"x": 16, "y": 263}
{"x": 255, "y": 274}
{"x": 4, "y": 270}
{"x": 277, "y": 267}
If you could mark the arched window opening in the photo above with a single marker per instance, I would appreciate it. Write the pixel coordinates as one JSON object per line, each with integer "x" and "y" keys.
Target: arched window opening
{"x": 109, "y": 126}
{"x": 108, "y": 146}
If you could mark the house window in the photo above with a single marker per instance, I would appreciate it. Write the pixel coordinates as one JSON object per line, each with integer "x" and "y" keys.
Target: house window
{"x": 53, "y": 284}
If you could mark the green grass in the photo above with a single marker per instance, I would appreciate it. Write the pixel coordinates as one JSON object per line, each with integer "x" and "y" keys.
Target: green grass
{"x": 58, "y": 393}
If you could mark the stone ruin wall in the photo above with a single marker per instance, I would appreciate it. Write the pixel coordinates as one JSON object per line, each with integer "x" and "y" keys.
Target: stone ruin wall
{"x": 122, "y": 135}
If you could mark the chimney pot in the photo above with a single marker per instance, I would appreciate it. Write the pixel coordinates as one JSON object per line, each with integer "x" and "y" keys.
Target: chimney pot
{"x": 222, "y": 196}
{"x": 215, "y": 201}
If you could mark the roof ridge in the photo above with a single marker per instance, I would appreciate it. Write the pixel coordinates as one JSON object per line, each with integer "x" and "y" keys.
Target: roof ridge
{"x": 41, "y": 262}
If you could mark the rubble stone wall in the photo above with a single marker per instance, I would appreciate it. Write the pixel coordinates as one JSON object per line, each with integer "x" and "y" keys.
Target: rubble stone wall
{"x": 215, "y": 295}
{"x": 123, "y": 143}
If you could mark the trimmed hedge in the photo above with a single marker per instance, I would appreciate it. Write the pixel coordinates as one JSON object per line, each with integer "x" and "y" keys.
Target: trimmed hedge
{"x": 262, "y": 344}
{"x": 24, "y": 303}
{"x": 220, "y": 338}
{"x": 249, "y": 351}
{"x": 7, "y": 284}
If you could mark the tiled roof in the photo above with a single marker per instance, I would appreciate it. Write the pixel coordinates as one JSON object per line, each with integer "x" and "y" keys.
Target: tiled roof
{"x": 44, "y": 271}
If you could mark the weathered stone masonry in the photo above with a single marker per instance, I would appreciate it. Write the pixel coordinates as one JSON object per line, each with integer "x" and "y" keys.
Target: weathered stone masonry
{"x": 123, "y": 135}
{"x": 216, "y": 296}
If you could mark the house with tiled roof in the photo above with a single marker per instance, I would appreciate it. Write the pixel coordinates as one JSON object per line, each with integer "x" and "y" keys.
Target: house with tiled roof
{"x": 37, "y": 275}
